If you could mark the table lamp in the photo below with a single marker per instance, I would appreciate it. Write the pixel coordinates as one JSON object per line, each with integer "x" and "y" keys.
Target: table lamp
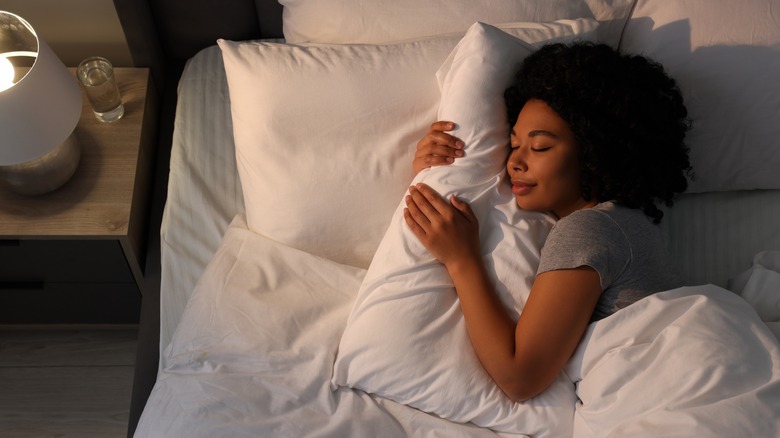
{"x": 40, "y": 105}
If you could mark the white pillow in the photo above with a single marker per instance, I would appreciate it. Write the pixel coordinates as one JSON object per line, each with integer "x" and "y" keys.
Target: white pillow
{"x": 325, "y": 134}
{"x": 405, "y": 337}
{"x": 726, "y": 57}
{"x": 373, "y": 21}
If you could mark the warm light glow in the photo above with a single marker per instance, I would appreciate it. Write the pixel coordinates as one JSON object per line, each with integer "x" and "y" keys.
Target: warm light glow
{"x": 6, "y": 73}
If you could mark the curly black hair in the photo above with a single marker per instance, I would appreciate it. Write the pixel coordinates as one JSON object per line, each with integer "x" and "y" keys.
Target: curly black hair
{"x": 627, "y": 116}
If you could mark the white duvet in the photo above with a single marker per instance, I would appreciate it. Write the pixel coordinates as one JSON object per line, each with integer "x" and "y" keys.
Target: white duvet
{"x": 253, "y": 356}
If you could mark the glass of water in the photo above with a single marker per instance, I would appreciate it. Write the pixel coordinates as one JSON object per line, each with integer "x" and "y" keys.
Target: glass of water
{"x": 96, "y": 75}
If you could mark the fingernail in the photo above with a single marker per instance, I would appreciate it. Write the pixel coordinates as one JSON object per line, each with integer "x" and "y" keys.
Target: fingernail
{"x": 459, "y": 144}
{"x": 459, "y": 153}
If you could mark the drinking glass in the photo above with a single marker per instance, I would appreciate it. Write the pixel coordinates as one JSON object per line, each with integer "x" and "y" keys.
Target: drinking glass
{"x": 96, "y": 75}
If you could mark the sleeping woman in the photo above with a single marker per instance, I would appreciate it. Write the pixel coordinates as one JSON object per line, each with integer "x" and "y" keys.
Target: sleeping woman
{"x": 597, "y": 140}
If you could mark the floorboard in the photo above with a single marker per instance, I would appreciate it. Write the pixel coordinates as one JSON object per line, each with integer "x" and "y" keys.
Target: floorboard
{"x": 65, "y": 383}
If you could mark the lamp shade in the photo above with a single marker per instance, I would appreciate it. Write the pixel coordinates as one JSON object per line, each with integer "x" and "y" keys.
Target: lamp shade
{"x": 39, "y": 110}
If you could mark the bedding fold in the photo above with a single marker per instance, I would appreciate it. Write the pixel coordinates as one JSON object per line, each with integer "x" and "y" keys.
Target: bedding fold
{"x": 694, "y": 361}
{"x": 760, "y": 286}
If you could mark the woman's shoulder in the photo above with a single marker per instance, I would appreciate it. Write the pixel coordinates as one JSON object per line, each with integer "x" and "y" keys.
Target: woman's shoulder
{"x": 606, "y": 225}
{"x": 600, "y": 216}
{"x": 607, "y": 214}
{"x": 598, "y": 225}
{"x": 591, "y": 237}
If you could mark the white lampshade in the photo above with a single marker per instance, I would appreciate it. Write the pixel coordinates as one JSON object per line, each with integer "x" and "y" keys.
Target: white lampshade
{"x": 39, "y": 110}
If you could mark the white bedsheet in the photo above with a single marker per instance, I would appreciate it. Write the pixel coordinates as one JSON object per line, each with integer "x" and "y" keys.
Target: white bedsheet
{"x": 204, "y": 193}
{"x": 253, "y": 356}
{"x": 254, "y": 352}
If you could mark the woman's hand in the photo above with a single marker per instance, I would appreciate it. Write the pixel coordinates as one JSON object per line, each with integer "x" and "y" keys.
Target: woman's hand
{"x": 437, "y": 148}
{"x": 449, "y": 230}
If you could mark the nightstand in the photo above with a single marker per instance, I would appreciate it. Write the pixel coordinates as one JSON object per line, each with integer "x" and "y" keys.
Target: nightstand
{"x": 76, "y": 255}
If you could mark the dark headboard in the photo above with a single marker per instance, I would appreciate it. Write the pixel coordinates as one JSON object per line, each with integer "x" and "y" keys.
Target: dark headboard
{"x": 162, "y": 35}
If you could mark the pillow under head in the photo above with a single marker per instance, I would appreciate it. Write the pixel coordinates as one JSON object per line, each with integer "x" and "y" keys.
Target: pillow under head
{"x": 725, "y": 57}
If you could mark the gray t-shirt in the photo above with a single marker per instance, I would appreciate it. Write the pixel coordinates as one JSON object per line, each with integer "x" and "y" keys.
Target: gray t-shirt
{"x": 621, "y": 244}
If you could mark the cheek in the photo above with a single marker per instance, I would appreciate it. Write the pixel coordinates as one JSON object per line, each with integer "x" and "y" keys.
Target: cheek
{"x": 570, "y": 174}
{"x": 564, "y": 174}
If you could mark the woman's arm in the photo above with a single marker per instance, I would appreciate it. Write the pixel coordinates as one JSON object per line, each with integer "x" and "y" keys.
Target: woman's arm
{"x": 550, "y": 326}
{"x": 525, "y": 357}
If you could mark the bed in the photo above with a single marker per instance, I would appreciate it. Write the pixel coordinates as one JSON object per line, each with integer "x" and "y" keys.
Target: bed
{"x": 293, "y": 302}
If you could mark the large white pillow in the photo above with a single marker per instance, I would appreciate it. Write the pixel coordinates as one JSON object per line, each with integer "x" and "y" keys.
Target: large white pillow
{"x": 325, "y": 134}
{"x": 374, "y": 21}
{"x": 405, "y": 338}
{"x": 726, "y": 58}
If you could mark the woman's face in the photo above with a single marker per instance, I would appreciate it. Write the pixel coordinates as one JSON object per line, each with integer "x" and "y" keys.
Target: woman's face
{"x": 544, "y": 163}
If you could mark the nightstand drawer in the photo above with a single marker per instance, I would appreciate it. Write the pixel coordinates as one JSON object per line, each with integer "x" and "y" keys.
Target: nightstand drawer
{"x": 63, "y": 261}
{"x": 69, "y": 303}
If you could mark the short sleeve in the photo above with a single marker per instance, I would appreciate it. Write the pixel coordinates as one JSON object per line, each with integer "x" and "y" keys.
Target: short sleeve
{"x": 587, "y": 238}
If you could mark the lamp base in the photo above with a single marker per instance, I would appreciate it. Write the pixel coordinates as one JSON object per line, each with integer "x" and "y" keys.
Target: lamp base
{"x": 46, "y": 173}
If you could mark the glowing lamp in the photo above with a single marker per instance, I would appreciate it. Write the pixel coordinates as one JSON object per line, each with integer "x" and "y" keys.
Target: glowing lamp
{"x": 40, "y": 105}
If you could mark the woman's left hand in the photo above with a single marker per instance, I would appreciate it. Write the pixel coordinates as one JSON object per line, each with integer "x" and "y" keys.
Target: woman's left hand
{"x": 449, "y": 230}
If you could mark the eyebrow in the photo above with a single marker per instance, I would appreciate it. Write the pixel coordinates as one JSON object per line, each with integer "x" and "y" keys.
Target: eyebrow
{"x": 536, "y": 132}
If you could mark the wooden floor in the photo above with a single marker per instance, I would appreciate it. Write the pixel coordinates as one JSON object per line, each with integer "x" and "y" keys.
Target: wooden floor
{"x": 66, "y": 382}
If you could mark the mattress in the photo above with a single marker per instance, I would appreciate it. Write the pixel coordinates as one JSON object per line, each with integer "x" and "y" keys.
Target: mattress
{"x": 712, "y": 237}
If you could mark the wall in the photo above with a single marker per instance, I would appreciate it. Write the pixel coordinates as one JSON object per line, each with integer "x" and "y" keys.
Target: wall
{"x": 75, "y": 29}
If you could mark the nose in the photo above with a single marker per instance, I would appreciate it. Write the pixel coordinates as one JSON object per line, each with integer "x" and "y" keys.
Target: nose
{"x": 516, "y": 161}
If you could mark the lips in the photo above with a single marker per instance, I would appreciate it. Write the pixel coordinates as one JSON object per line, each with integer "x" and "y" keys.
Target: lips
{"x": 520, "y": 188}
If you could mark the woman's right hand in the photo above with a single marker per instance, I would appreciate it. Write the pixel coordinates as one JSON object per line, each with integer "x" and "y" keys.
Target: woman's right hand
{"x": 437, "y": 148}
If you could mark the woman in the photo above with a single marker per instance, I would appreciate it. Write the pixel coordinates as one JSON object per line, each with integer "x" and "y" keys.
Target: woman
{"x": 597, "y": 140}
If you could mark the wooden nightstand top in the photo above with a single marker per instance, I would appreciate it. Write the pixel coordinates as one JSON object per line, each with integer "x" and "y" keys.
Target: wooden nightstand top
{"x": 100, "y": 199}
